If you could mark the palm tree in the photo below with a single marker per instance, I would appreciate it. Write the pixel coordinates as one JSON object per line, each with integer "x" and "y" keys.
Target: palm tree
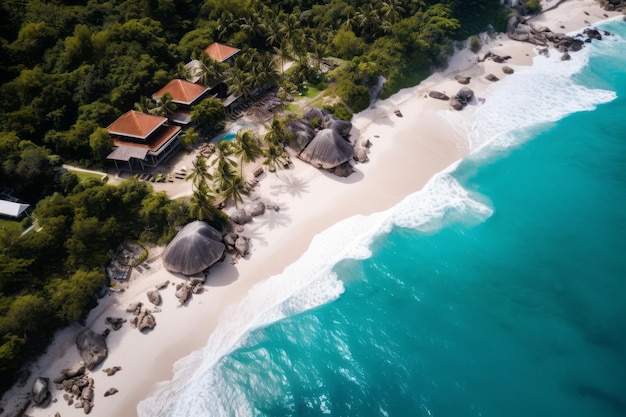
{"x": 199, "y": 175}
{"x": 144, "y": 105}
{"x": 239, "y": 82}
{"x": 165, "y": 106}
{"x": 210, "y": 71}
{"x": 276, "y": 134}
{"x": 246, "y": 147}
{"x": 235, "y": 188}
{"x": 203, "y": 204}
{"x": 275, "y": 157}
{"x": 369, "y": 20}
{"x": 264, "y": 72}
{"x": 392, "y": 10}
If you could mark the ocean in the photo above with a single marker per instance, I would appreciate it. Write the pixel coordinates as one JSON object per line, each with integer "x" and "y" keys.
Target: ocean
{"x": 497, "y": 290}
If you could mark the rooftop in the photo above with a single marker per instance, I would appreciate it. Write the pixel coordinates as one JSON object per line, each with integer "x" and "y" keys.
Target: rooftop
{"x": 220, "y": 52}
{"x": 182, "y": 92}
{"x": 136, "y": 124}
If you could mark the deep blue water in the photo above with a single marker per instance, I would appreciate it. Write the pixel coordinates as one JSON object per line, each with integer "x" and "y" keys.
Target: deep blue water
{"x": 517, "y": 312}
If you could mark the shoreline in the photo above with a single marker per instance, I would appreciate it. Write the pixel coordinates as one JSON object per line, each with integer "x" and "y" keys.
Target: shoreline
{"x": 311, "y": 201}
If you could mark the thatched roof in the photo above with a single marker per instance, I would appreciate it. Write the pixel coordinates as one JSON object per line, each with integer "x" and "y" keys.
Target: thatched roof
{"x": 302, "y": 134}
{"x": 312, "y": 113}
{"x": 343, "y": 127}
{"x": 196, "y": 247}
{"x": 327, "y": 150}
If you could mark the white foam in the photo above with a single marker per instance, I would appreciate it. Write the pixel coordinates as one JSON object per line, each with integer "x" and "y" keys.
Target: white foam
{"x": 544, "y": 92}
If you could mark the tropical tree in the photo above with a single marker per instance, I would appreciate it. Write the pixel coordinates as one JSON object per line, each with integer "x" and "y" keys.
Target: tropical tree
{"x": 165, "y": 106}
{"x": 210, "y": 71}
{"x": 204, "y": 204}
{"x": 275, "y": 157}
{"x": 144, "y": 105}
{"x": 239, "y": 82}
{"x": 199, "y": 175}
{"x": 190, "y": 137}
{"x": 209, "y": 111}
{"x": 277, "y": 134}
{"x": 246, "y": 147}
{"x": 234, "y": 188}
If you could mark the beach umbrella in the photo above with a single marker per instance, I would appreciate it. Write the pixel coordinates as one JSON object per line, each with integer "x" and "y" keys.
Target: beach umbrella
{"x": 327, "y": 150}
{"x": 196, "y": 247}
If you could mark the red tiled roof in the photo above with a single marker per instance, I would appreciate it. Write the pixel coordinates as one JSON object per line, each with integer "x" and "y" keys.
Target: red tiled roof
{"x": 136, "y": 124}
{"x": 182, "y": 91}
{"x": 164, "y": 134}
{"x": 220, "y": 52}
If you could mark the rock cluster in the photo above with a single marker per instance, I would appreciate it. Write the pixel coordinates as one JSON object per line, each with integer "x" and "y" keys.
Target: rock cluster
{"x": 40, "y": 393}
{"x": 522, "y": 30}
{"x": 144, "y": 319}
{"x": 184, "y": 290}
{"x": 78, "y": 387}
{"x": 462, "y": 98}
{"x": 115, "y": 322}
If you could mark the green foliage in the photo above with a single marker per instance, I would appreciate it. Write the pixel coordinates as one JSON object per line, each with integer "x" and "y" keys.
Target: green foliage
{"x": 474, "y": 44}
{"x": 340, "y": 110}
{"x": 533, "y": 6}
{"x": 209, "y": 111}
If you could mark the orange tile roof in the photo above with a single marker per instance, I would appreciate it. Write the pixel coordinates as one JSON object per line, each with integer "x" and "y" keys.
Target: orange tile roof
{"x": 220, "y": 52}
{"x": 136, "y": 124}
{"x": 182, "y": 91}
{"x": 155, "y": 143}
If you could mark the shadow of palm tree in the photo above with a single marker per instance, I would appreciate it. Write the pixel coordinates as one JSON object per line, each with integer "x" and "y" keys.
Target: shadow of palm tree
{"x": 292, "y": 185}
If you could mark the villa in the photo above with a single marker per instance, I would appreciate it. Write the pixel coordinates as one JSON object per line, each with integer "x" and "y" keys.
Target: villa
{"x": 142, "y": 140}
{"x": 184, "y": 94}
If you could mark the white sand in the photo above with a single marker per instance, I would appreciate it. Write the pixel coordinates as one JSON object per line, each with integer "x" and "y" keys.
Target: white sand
{"x": 407, "y": 151}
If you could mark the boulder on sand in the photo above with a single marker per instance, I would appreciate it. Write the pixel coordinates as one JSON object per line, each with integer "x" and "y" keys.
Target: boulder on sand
{"x": 92, "y": 347}
{"x": 438, "y": 95}
{"x": 40, "y": 393}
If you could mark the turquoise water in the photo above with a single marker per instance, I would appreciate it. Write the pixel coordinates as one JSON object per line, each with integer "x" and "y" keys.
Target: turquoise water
{"x": 508, "y": 299}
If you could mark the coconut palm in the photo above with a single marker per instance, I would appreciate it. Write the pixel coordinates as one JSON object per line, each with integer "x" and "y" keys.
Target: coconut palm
{"x": 210, "y": 72}
{"x": 204, "y": 204}
{"x": 239, "y": 82}
{"x": 234, "y": 188}
{"x": 165, "y": 106}
{"x": 275, "y": 157}
{"x": 246, "y": 147}
{"x": 144, "y": 105}
{"x": 199, "y": 175}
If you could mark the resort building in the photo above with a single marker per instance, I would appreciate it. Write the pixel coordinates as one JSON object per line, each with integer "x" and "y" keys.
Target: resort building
{"x": 221, "y": 52}
{"x": 184, "y": 94}
{"x": 142, "y": 140}
{"x": 12, "y": 209}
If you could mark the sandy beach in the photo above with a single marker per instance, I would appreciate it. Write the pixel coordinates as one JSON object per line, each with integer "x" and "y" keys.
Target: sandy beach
{"x": 413, "y": 138}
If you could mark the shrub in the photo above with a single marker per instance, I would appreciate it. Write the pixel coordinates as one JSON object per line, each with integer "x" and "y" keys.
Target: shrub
{"x": 474, "y": 44}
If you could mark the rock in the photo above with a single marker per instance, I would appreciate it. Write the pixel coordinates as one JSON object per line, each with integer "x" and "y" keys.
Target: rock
{"x": 229, "y": 240}
{"x": 593, "y": 33}
{"x": 196, "y": 281}
{"x": 491, "y": 77}
{"x": 507, "y": 70}
{"x": 112, "y": 371}
{"x": 57, "y": 414}
{"x": 79, "y": 404}
{"x": 40, "y": 393}
{"x": 154, "y": 297}
{"x": 366, "y": 143}
{"x": 538, "y": 28}
{"x": 343, "y": 170}
{"x": 92, "y": 347}
{"x": 258, "y": 209}
{"x": 76, "y": 370}
{"x": 456, "y": 104}
{"x": 87, "y": 394}
{"x": 565, "y": 56}
{"x": 360, "y": 155}
{"x": 162, "y": 285}
{"x": 146, "y": 320}
{"x": 465, "y": 95}
{"x": 134, "y": 308}
{"x": 183, "y": 293}
{"x": 115, "y": 322}
{"x": 241, "y": 217}
{"x": 398, "y": 113}
{"x": 462, "y": 79}
{"x": 242, "y": 246}
{"x": 88, "y": 406}
{"x": 438, "y": 95}
{"x": 110, "y": 391}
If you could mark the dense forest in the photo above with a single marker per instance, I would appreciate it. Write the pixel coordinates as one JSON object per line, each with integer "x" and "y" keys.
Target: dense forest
{"x": 68, "y": 68}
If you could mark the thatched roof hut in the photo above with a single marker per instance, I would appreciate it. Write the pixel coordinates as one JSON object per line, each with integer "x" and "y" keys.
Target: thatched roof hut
{"x": 327, "y": 150}
{"x": 302, "y": 134}
{"x": 315, "y": 113}
{"x": 196, "y": 247}
{"x": 343, "y": 127}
